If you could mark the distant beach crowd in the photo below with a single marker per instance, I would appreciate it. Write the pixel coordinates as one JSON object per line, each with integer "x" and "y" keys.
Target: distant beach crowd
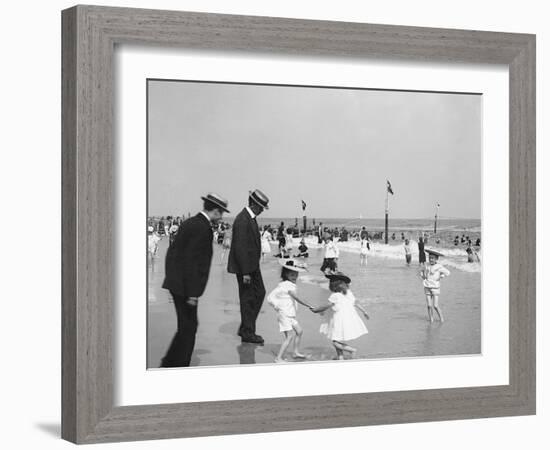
{"x": 286, "y": 238}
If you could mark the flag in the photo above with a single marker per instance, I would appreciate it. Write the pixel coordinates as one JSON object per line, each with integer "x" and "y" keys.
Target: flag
{"x": 303, "y": 205}
{"x": 390, "y": 190}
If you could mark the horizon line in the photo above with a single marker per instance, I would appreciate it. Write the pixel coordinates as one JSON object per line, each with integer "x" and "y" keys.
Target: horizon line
{"x": 332, "y": 218}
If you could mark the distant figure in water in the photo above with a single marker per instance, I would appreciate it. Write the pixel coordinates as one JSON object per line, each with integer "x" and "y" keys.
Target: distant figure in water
{"x": 173, "y": 231}
{"x": 302, "y": 250}
{"x": 456, "y": 240}
{"x": 331, "y": 255}
{"x": 281, "y": 237}
{"x": 402, "y": 236}
{"x": 421, "y": 253}
{"x": 363, "y": 254}
{"x": 408, "y": 254}
{"x": 226, "y": 243}
{"x": 431, "y": 275}
{"x": 393, "y": 236}
{"x": 344, "y": 235}
{"x": 478, "y": 242}
{"x": 153, "y": 240}
{"x": 266, "y": 246}
{"x": 470, "y": 253}
{"x": 288, "y": 241}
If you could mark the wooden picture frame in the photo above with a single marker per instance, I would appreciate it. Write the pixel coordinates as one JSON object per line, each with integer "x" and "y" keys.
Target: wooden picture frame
{"x": 89, "y": 37}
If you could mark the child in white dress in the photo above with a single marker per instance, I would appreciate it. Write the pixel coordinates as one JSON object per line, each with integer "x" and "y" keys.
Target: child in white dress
{"x": 289, "y": 241}
{"x": 343, "y": 323}
{"x": 363, "y": 254}
{"x": 153, "y": 240}
{"x": 284, "y": 300}
{"x": 431, "y": 276}
{"x": 266, "y": 246}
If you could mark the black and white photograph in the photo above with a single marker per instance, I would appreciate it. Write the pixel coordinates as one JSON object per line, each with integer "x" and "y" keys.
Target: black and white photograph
{"x": 292, "y": 224}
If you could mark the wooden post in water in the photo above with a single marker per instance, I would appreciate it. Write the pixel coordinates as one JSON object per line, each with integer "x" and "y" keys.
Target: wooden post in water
{"x": 386, "y": 217}
{"x": 435, "y": 221}
{"x": 304, "y": 217}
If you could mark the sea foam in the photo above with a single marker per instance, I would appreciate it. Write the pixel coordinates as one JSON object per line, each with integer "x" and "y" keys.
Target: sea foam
{"x": 454, "y": 257}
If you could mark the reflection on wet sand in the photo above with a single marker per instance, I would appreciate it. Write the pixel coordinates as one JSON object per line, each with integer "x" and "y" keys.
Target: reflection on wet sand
{"x": 247, "y": 353}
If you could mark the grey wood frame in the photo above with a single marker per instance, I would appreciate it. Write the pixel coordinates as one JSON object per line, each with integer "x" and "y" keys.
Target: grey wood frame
{"x": 89, "y": 36}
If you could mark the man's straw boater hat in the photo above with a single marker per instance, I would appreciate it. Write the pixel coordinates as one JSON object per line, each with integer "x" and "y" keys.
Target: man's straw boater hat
{"x": 217, "y": 200}
{"x": 433, "y": 252}
{"x": 292, "y": 264}
{"x": 259, "y": 198}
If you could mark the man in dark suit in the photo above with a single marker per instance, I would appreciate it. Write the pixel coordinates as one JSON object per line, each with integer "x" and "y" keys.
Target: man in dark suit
{"x": 244, "y": 262}
{"x": 186, "y": 274}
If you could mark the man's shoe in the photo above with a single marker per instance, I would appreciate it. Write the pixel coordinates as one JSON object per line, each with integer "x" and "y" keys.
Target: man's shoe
{"x": 252, "y": 339}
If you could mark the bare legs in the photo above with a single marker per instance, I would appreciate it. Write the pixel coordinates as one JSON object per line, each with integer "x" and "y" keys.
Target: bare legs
{"x": 297, "y": 340}
{"x": 437, "y": 309}
{"x": 342, "y": 347}
{"x": 432, "y": 302}
{"x": 294, "y": 335}
{"x": 289, "y": 335}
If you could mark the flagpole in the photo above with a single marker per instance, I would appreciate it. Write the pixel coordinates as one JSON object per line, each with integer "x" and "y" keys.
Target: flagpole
{"x": 304, "y": 217}
{"x": 435, "y": 222}
{"x": 386, "y": 216}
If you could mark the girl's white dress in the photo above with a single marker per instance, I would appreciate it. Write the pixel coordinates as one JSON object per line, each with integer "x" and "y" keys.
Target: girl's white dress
{"x": 289, "y": 242}
{"x": 266, "y": 247}
{"x": 343, "y": 322}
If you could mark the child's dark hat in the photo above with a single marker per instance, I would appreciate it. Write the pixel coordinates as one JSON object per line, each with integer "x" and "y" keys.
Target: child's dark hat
{"x": 292, "y": 264}
{"x": 338, "y": 276}
{"x": 433, "y": 252}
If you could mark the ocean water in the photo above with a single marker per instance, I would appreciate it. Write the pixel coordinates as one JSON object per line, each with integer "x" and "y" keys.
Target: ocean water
{"x": 447, "y": 228}
{"x": 410, "y": 225}
{"x": 455, "y": 255}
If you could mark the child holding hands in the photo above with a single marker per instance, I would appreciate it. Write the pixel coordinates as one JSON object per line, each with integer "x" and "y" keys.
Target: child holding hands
{"x": 343, "y": 324}
{"x": 284, "y": 300}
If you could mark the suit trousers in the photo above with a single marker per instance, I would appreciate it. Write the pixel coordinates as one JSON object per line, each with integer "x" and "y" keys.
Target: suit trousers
{"x": 251, "y": 297}
{"x": 181, "y": 349}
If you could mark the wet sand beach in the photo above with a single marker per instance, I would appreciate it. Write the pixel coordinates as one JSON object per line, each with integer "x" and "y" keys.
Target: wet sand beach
{"x": 391, "y": 292}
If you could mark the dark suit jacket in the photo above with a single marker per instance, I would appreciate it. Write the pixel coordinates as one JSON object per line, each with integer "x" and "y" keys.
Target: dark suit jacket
{"x": 188, "y": 259}
{"x": 246, "y": 249}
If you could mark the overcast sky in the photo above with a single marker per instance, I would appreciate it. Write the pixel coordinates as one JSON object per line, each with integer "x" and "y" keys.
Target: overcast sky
{"x": 334, "y": 148}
